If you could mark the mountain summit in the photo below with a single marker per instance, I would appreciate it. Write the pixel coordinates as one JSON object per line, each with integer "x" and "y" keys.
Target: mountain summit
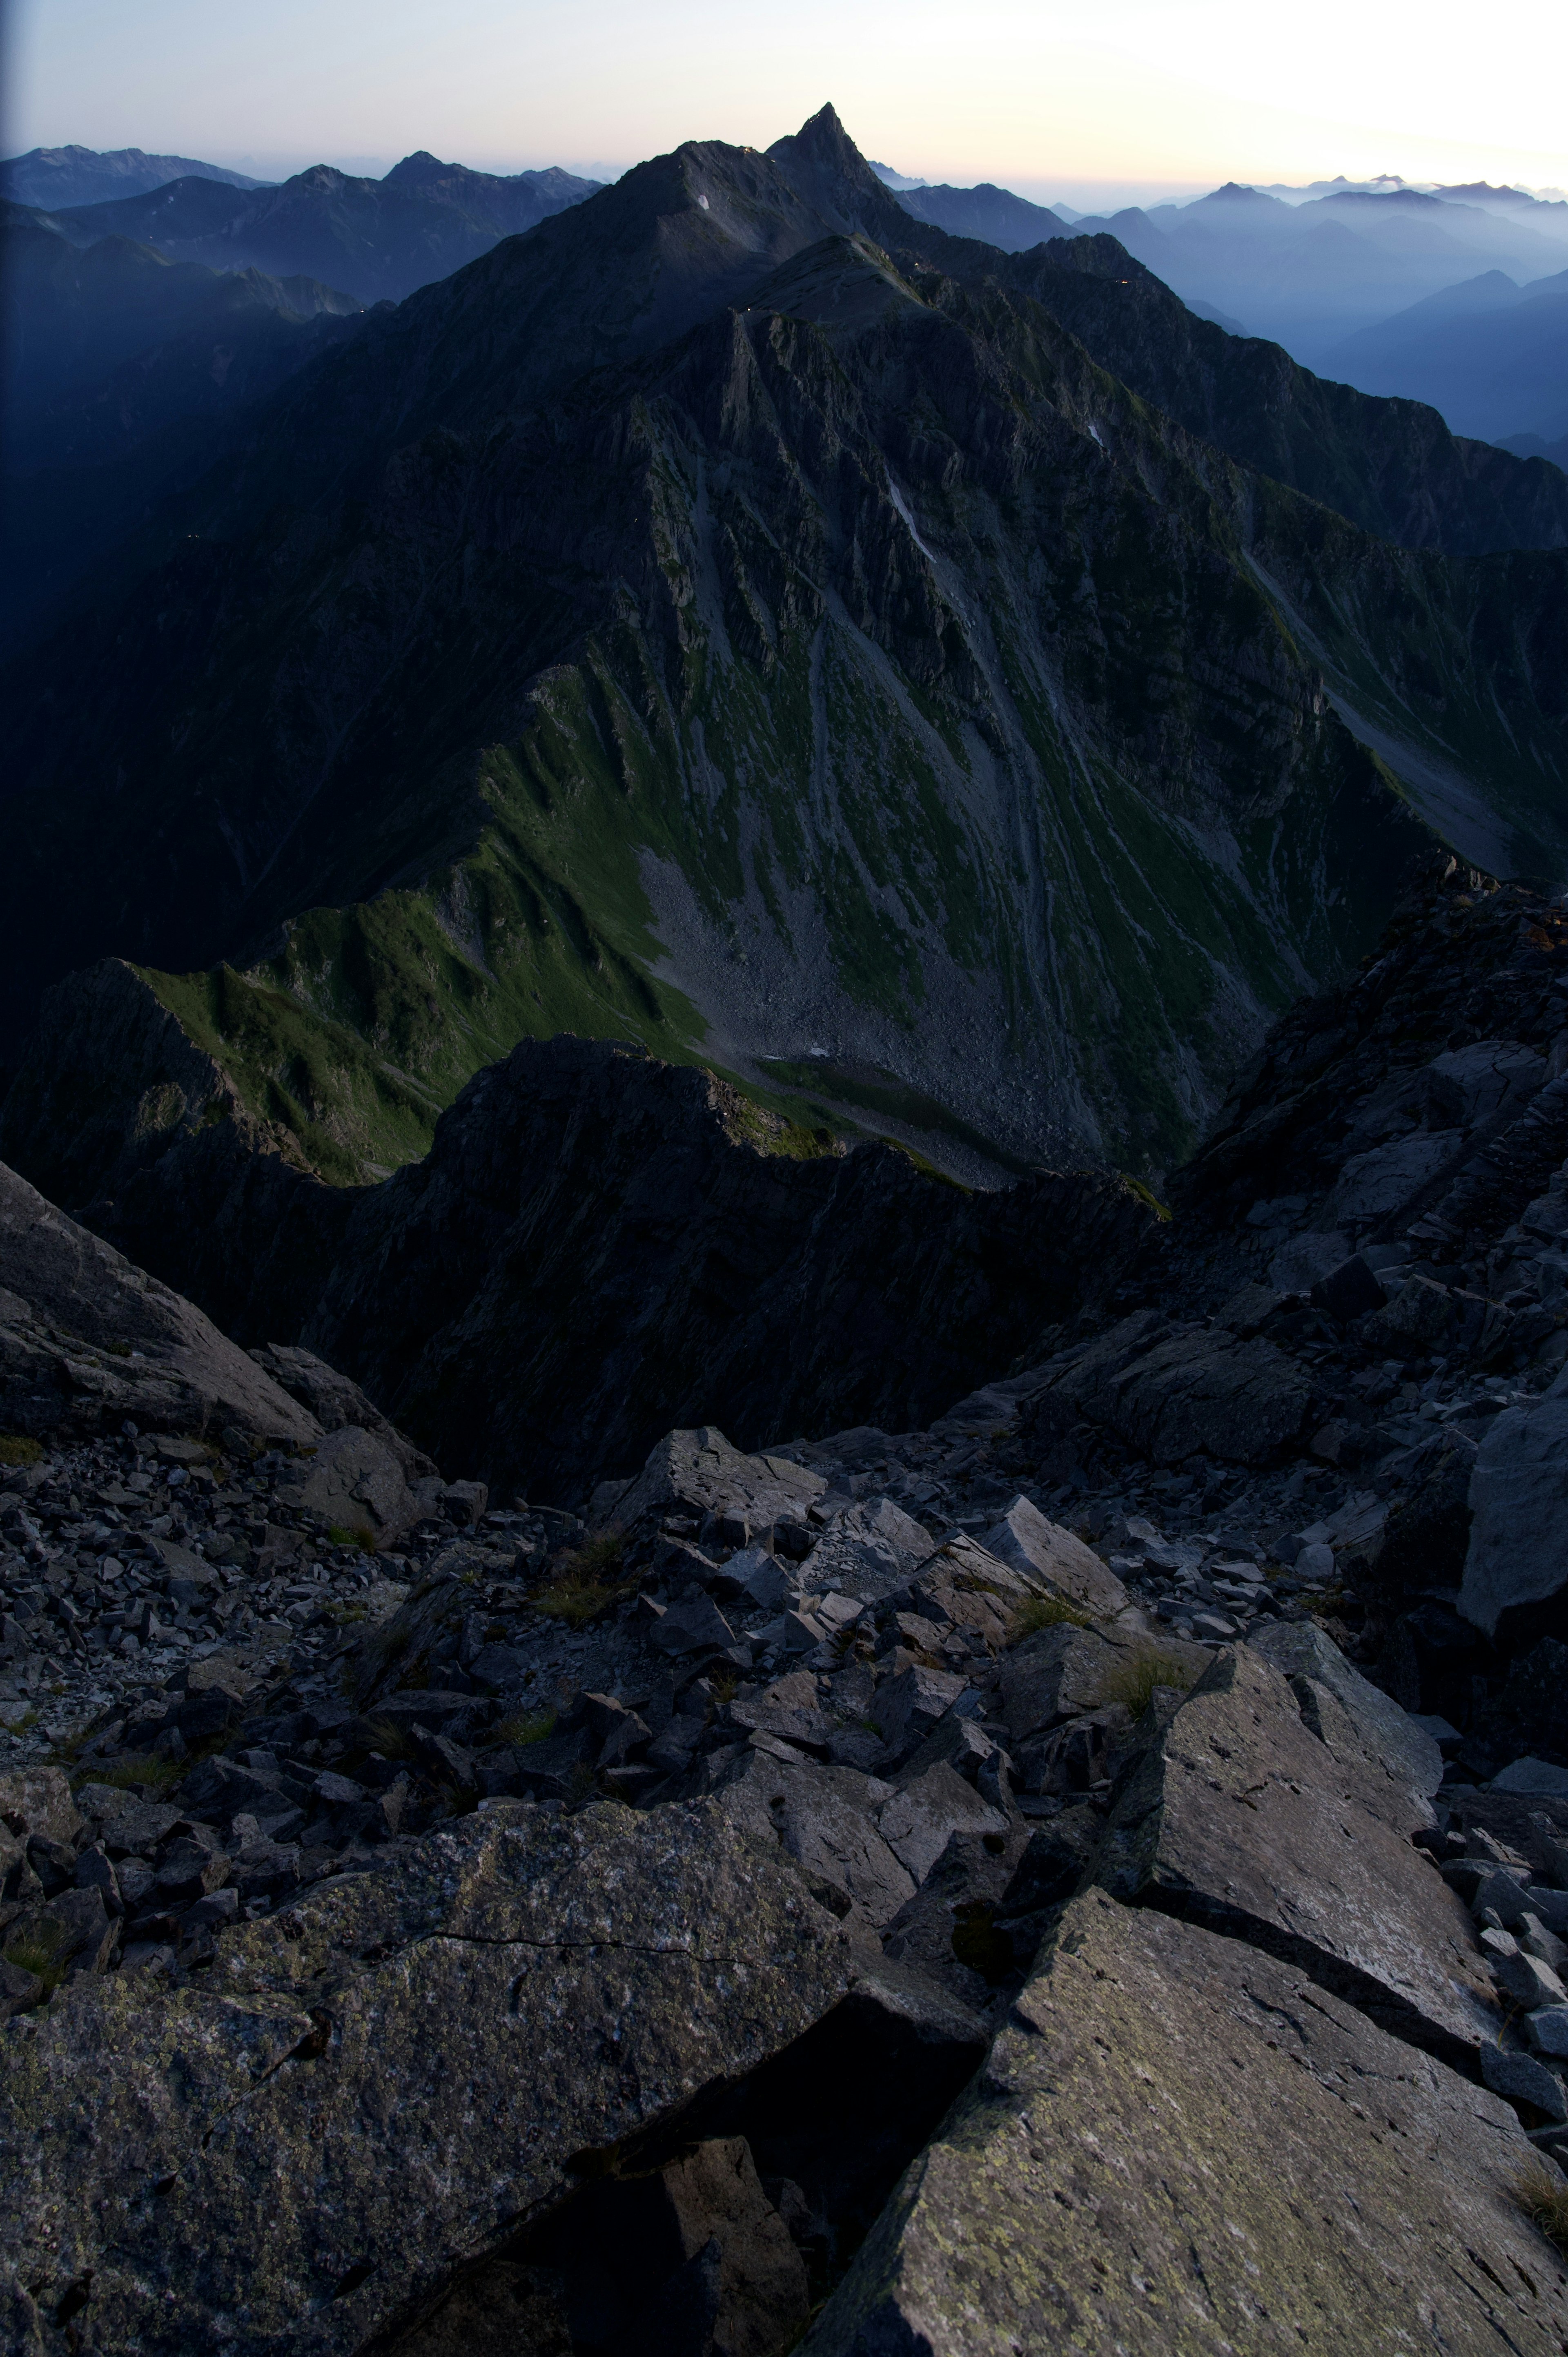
{"x": 738, "y": 617}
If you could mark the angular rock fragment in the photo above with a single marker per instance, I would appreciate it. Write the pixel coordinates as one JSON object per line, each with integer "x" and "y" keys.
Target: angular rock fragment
{"x": 1060, "y": 1674}
{"x": 1178, "y": 2142}
{"x": 1241, "y": 1819}
{"x": 699, "y": 1472}
{"x": 905, "y": 1708}
{"x": 1056, "y": 1560}
{"x": 921, "y": 1819}
{"x": 869, "y": 1550}
{"x": 825, "y": 1818}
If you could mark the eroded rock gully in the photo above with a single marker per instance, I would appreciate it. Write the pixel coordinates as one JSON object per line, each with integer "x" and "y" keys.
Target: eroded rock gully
{"x": 1091, "y": 1871}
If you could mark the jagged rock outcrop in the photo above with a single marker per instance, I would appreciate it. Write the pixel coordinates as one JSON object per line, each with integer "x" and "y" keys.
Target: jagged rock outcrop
{"x": 87, "y": 1339}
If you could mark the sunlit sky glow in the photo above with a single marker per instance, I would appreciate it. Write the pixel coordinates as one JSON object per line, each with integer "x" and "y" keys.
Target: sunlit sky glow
{"x": 1125, "y": 99}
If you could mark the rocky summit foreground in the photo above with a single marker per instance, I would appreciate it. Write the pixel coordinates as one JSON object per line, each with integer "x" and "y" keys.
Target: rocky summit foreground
{"x": 1089, "y": 1871}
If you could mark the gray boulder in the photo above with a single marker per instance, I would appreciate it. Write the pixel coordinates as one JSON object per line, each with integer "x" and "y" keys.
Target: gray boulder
{"x": 698, "y": 1470}
{"x": 335, "y": 1401}
{"x": 1519, "y": 1507}
{"x": 1179, "y": 2145}
{"x": 921, "y": 1818}
{"x": 1055, "y": 1560}
{"x": 869, "y": 1550}
{"x": 824, "y": 1818}
{"x": 1240, "y": 1818}
{"x": 354, "y": 1481}
{"x": 282, "y": 2157}
{"x": 87, "y": 1341}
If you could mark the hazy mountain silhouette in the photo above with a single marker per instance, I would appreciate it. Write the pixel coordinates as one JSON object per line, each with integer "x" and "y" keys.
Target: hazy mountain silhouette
{"x": 121, "y": 369}
{"x": 995, "y": 214}
{"x": 377, "y": 238}
{"x": 1491, "y": 355}
{"x": 1309, "y": 275}
{"x": 49, "y": 178}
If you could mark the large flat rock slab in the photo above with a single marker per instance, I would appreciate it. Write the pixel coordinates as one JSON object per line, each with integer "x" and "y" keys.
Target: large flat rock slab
{"x": 1242, "y": 1818}
{"x": 364, "y": 2091}
{"x": 1179, "y": 2146}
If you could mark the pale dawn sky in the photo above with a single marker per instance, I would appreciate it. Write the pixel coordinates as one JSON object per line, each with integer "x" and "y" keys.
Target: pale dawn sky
{"x": 1128, "y": 95}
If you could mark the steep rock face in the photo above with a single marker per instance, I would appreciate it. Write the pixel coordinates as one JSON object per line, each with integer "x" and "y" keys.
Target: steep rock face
{"x": 587, "y": 1257}
{"x": 1391, "y": 467}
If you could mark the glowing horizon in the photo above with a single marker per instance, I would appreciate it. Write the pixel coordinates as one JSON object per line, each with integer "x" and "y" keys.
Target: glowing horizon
{"x": 1159, "y": 101}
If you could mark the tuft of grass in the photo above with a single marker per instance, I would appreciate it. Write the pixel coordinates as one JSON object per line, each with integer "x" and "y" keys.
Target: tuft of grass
{"x": 347, "y": 1616}
{"x": 17, "y": 1449}
{"x": 142, "y": 1770}
{"x": 526, "y": 1728}
{"x": 39, "y": 1953}
{"x": 363, "y": 1539}
{"x": 1545, "y": 2200}
{"x": 724, "y": 1685}
{"x": 585, "y": 1584}
{"x": 385, "y": 1736}
{"x": 1133, "y": 1681}
{"x": 1043, "y": 1612}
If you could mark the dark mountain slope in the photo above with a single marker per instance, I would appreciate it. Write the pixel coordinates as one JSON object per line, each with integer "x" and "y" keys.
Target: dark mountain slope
{"x": 687, "y": 625}
{"x": 52, "y": 176}
{"x": 1391, "y": 466}
{"x": 380, "y": 237}
{"x": 124, "y": 372}
{"x": 948, "y": 724}
{"x": 994, "y": 215}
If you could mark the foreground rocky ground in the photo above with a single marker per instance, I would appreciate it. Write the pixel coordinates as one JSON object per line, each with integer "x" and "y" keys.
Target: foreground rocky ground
{"x": 1092, "y": 1872}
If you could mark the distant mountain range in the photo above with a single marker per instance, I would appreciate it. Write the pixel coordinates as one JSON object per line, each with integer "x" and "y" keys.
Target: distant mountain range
{"x": 957, "y": 687}
{"x": 1310, "y": 276}
{"x": 376, "y": 238}
{"x": 1491, "y": 355}
{"x": 49, "y": 178}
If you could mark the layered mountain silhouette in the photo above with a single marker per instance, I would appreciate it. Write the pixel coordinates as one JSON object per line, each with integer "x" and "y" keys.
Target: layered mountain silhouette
{"x": 376, "y": 238}
{"x": 738, "y": 616}
{"x": 49, "y": 178}
{"x": 1312, "y": 275}
{"x": 1490, "y": 354}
